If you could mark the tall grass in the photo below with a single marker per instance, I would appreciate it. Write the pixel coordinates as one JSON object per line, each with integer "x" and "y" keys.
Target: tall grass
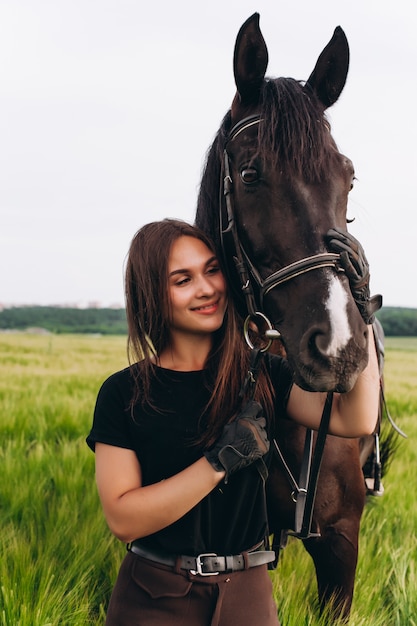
{"x": 58, "y": 561}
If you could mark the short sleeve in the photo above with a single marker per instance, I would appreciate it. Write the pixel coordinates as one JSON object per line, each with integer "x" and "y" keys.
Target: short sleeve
{"x": 111, "y": 421}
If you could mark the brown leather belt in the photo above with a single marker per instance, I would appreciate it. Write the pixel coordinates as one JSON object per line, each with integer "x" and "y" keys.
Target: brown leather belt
{"x": 206, "y": 564}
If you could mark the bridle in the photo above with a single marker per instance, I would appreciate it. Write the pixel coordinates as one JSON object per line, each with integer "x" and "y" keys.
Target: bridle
{"x": 246, "y": 270}
{"x": 305, "y": 490}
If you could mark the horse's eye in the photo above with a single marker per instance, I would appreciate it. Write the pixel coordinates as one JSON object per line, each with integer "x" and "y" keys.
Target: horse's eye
{"x": 249, "y": 175}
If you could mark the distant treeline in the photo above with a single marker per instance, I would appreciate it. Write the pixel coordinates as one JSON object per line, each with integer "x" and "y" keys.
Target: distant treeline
{"x": 65, "y": 320}
{"x": 397, "y": 321}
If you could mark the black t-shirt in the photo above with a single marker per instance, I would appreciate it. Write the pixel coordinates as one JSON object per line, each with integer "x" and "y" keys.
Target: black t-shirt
{"x": 232, "y": 518}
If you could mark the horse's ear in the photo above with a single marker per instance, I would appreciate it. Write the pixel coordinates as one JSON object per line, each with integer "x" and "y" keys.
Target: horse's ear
{"x": 250, "y": 60}
{"x": 329, "y": 76}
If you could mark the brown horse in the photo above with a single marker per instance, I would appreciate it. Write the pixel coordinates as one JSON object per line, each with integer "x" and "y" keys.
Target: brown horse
{"x": 273, "y": 185}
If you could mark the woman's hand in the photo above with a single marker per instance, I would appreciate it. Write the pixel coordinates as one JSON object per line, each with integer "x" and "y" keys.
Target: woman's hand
{"x": 356, "y": 266}
{"x": 242, "y": 441}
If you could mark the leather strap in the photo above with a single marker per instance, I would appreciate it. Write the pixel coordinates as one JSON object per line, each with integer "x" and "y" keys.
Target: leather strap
{"x": 208, "y": 564}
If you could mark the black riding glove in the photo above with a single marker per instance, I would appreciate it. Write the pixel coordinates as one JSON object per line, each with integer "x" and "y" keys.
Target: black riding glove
{"x": 242, "y": 442}
{"x": 353, "y": 261}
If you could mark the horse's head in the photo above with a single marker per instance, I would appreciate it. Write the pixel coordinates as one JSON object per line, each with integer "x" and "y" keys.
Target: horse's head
{"x": 286, "y": 184}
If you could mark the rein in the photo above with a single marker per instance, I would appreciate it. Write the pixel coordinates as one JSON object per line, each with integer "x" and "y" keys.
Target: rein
{"x": 306, "y": 489}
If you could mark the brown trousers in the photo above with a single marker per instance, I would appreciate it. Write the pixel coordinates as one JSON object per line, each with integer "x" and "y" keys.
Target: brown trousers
{"x": 148, "y": 594}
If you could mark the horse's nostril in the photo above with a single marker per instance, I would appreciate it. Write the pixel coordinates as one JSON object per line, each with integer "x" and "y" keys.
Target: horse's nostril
{"x": 314, "y": 345}
{"x": 319, "y": 343}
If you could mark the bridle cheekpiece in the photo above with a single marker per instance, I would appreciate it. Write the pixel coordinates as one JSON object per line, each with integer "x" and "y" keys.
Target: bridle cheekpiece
{"x": 246, "y": 270}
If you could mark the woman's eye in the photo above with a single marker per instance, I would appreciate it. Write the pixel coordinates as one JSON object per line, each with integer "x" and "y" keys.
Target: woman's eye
{"x": 182, "y": 281}
{"x": 249, "y": 175}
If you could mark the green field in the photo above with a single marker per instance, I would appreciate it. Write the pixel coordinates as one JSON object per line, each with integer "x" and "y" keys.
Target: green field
{"x": 58, "y": 561}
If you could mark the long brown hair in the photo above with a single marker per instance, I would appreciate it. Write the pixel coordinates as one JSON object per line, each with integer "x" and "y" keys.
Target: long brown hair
{"x": 148, "y": 318}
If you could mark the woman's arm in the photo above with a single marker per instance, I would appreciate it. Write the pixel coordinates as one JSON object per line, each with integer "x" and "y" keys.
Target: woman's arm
{"x": 133, "y": 511}
{"x": 354, "y": 414}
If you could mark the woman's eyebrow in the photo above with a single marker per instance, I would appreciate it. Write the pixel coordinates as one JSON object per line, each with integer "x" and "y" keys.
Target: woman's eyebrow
{"x": 179, "y": 271}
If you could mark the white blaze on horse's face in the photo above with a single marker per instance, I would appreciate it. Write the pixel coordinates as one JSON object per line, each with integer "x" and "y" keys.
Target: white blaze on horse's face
{"x": 336, "y": 305}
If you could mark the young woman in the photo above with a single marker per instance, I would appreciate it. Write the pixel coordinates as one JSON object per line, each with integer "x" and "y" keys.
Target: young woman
{"x": 179, "y": 457}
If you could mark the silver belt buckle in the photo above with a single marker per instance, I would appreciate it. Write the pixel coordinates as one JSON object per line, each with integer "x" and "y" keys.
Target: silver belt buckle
{"x": 199, "y": 564}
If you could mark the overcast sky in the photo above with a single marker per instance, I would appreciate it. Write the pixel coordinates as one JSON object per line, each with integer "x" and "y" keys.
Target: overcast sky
{"x": 107, "y": 108}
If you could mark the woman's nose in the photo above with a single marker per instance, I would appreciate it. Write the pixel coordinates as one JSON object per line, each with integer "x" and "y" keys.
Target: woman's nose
{"x": 205, "y": 286}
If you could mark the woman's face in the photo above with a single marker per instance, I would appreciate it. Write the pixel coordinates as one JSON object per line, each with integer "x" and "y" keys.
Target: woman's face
{"x": 196, "y": 287}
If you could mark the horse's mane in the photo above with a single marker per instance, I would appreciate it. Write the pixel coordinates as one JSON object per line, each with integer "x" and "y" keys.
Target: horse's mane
{"x": 294, "y": 133}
